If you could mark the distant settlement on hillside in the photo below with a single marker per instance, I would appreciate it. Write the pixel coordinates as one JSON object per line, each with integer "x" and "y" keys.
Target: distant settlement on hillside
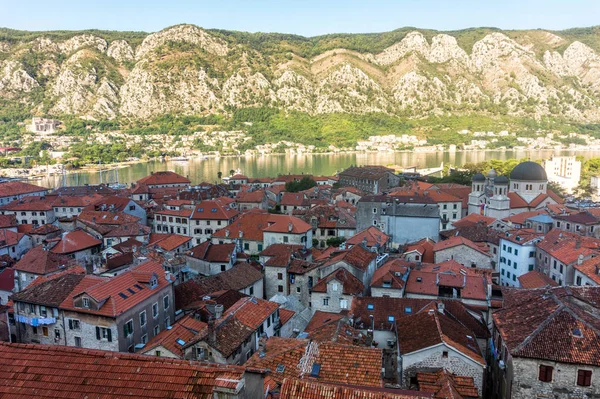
{"x": 369, "y": 283}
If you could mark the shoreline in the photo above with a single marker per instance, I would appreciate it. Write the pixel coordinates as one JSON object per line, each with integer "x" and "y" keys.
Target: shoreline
{"x": 25, "y": 173}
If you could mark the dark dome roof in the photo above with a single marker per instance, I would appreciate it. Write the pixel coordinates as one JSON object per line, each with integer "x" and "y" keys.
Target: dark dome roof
{"x": 528, "y": 171}
{"x": 478, "y": 177}
{"x": 501, "y": 180}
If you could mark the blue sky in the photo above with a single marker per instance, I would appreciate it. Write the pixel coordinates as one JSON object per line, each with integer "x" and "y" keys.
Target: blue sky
{"x": 304, "y": 17}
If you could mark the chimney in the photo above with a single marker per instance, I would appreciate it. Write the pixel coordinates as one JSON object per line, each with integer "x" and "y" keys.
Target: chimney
{"x": 168, "y": 275}
{"x": 441, "y": 307}
{"x": 227, "y": 233}
{"x": 580, "y": 259}
{"x": 577, "y": 244}
{"x": 241, "y": 234}
{"x": 262, "y": 345}
{"x": 290, "y": 227}
{"x": 218, "y": 311}
{"x": 212, "y": 331}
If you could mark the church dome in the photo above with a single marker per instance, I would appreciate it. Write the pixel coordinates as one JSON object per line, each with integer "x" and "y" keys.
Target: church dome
{"x": 478, "y": 177}
{"x": 501, "y": 180}
{"x": 528, "y": 171}
{"x": 492, "y": 173}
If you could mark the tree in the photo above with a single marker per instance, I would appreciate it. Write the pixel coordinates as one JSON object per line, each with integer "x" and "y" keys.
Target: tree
{"x": 304, "y": 184}
{"x": 335, "y": 241}
{"x": 219, "y": 175}
{"x": 557, "y": 189}
{"x": 232, "y": 172}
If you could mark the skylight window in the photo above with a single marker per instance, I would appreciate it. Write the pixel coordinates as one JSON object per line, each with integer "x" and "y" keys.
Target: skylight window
{"x": 391, "y": 319}
{"x": 370, "y": 306}
{"x": 180, "y": 342}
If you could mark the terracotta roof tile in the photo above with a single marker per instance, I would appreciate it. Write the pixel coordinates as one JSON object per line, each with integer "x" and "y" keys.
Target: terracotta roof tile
{"x": 350, "y": 284}
{"x": 41, "y": 262}
{"x": 240, "y": 276}
{"x": 217, "y": 209}
{"x": 306, "y": 389}
{"x": 167, "y": 242}
{"x": 252, "y": 311}
{"x": 15, "y": 188}
{"x": 213, "y": 252}
{"x": 554, "y": 324}
{"x": 474, "y": 219}
{"x": 163, "y": 178}
{"x": 535, "y": 279}
{"x": 391, "y": 274}
{"x": 342, "y": 364}
{"x": 458, "y": 241}
{"x": 74, "y": 241}
{"x": 373, "y": 235}
{"x": 182, "y": 331}
{"x": 59, "y": 372}
{"x": 446, "y": 385}
{"x": 356, "y": 256}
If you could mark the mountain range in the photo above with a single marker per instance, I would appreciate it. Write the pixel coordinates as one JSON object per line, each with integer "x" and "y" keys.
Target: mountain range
{"x": 409, "y": 72}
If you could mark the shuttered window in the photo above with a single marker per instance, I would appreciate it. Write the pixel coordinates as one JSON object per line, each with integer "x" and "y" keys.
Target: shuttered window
{"x": 584, "y": 378}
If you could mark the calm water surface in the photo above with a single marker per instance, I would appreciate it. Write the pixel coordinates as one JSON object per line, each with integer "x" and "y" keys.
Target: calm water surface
{"x": 199, "y": 170}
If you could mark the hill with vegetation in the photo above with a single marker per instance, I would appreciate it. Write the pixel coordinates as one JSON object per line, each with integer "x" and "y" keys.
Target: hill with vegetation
{"x": 332, "y": 89}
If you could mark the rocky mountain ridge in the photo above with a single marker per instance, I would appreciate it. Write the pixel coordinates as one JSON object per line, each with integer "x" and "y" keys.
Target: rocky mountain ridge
{"x": 189, "y": 70}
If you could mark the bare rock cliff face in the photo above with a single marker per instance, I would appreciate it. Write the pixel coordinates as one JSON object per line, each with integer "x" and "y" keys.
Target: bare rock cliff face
{"x": 185, "y": 69}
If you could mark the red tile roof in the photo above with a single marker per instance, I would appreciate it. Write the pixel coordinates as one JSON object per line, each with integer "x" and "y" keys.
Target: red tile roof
{"x": 106, "y": 218}
{"x": 446, "y": 385}
{"x": 7, "y": 221}
{"x": 458, "y": 241}
{"x": 590, "y": 268}
{"x": 558, "y": 324}
{"x": 184, "y": 330}
{"x": 75, "y": 241}
{"x": 341, "y": 364}
{"x": 252, "y": 311}
{"x": 212, "y": 252}
{"x": 424, "y": 247}
{"x": 350, "y": 284}
{"x": 48, "y": 371}
{"x": 520, "y": 218}
{"x": 32, "y": 203}
{"x": 356, "y": 256}
{"x": 253, "y": 197}
{"x": 472, "y": 282}
{"x": 254, "y": 223}
{"x": 167, "y": 242}
{"x": 391, "y": 274}
{"x": 430, "y": 327}
{"x": 15, "y": 188}
{"x": 280, "y": 255}
{"x": 307, "y": 389}
{"x": 217, "y": 209}
{"x": 129, "y": 230}
{"x": 373, "y": 235}
{"x": 240, "y": 276}
{"x": 320, "y": 319}
{"x": 535, "y": 279}
{"x": 567, "y": 247}
{"x": 41, "y": 262}
{"x": 473, "y": 219}
{"x": 294, "y": 199}
{"x": 163, "y": 178}
{"x": 329, "y": 217}
{"x": 107, "y": 292}
{"x": 7, "y": 279}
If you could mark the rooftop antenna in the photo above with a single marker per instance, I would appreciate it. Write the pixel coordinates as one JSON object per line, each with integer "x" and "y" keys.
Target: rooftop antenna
{"x": 100, "y": 164}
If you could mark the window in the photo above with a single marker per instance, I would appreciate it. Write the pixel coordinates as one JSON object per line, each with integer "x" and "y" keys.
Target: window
{"x": 144, "y": 339}
{"x": 325, "y": 301}
{"x": 504, "y": 247}
{"x": 532, "y": 254}
{"x": 166, "y": 302}
{"x": 516, "y": 251}
{"x": 530, "y": 267}
{"x": 279, "y": 276}
{"x": 143, "y": 318}
{"x": 545, "y": 374}
{"x": 103, "y": 334}
{"x": 45, "y": 331}
{"x": 375, "y": 210}
{"x": 391, "y": 319}
{"x": 246, "y": 246}
{"x": 132, "y": 207}
{"x": 43, "y": 311}
{"x": 298, "y": 290}
{"x": 502, "y": 272}
{"x": 584, "y": 378}
{"x": 74, "y": 324}
{"x": 515, "y": 265}
{"x": 343, "y": 304}
{"x": 167, "y": 322}
{"x": 445, "y": 354}
{"x": 285, "y": 239}
{"x": 78, "y": 342}
{"x": 156, "y": 330}
{"x": 578, "y": 280}
{"x": 86, "y": 303}
{"x": 128, "y": 328}
{"x": 155, "y": 310}
{"x": 280, "y": 288}
{"x": 223, "y": 268}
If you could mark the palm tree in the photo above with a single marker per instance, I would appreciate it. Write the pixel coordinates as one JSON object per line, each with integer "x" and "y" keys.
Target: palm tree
{"x": 231, "y": 172}
{"x": 219, "y": 175}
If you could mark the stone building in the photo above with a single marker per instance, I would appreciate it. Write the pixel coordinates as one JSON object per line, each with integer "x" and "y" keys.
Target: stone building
{"x": 545, "y": 344}
{"x": 463, "y": 251}
{"x": 372, "y": 179}
{"x": 335, "y": 291}
{"x": 403, "y": 219}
